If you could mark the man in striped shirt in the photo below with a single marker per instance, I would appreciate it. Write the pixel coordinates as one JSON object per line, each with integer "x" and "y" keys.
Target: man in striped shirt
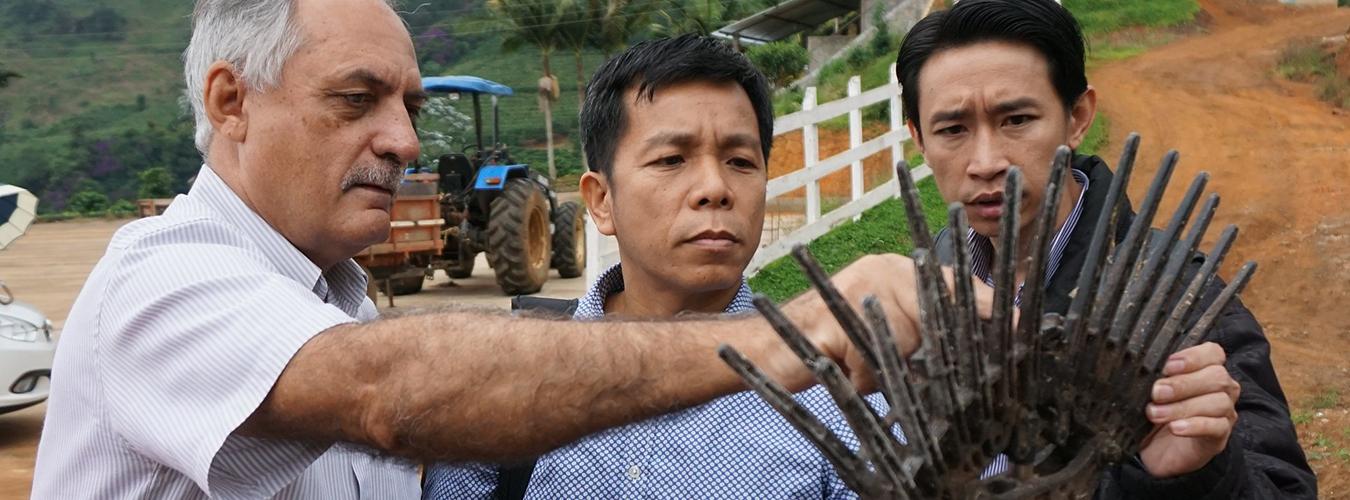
{"x": 679, "y": 180}
{"x": 990, "y": 84}
{"x": 226, "y": 349}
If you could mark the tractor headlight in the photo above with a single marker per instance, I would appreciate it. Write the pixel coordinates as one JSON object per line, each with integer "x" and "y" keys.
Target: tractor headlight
{"x": 15, "y": 329}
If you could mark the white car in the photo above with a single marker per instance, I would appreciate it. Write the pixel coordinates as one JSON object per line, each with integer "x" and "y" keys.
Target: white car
{"x": 26, "y": 351}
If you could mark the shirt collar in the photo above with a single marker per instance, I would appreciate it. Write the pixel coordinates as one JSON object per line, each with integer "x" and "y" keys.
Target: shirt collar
{"x": 982, "y": 249}
{"x": 592, "y": 305}
{"x": 346, "y": 278}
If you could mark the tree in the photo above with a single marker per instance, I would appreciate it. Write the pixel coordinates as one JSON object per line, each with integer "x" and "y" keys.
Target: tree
{"x": 620, "y": 21}
{"x": 439, "y": 125}
{"x": 154, "y": 182}
{"x": 88, "y": 202}
{"x": 782, "y": 62}
{"x": 535, "y": 22}
{"x": 700, "y": 17}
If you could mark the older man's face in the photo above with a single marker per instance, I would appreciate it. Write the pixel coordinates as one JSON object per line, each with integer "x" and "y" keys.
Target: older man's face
{"x": 324, "y": 151}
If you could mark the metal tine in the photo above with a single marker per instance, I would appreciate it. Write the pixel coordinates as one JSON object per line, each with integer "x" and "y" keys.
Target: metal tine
{"x": 1102, "y": 238}
{"x": 899, "y": 386}
{"x": 913, "y": 416}
{"x": 848, "y": 318}
{"x": 876, "y": 442}
{"x": 1143, "y": 327}
{"x": 918, "y": 226}
{"x": 941, "y": 385}
{"x": 1158, "y": 256}
{"x": 787, "y": 331}
{"x": 1033, "y": 287}
{"x": 923, "y": 239}
{"x": 1004, "y": 274}
{"x": 1197, "y": 332}
{"x": 852, "y": 469}
{"x": 1114, "y": 280}
{"x": 1158, "y": 349}
{"x": 1143, "y": 280}
{"x": 970, "y": 337}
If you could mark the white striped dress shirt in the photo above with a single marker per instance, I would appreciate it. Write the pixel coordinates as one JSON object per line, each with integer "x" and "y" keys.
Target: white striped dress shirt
{"x": 178, "y": 335}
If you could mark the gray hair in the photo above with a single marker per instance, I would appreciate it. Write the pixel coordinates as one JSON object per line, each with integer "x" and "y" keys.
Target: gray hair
{"x": 257, "y": 37}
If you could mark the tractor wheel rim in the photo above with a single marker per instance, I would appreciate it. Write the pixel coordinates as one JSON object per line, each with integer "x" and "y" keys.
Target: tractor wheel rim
{"x": 538, "y": 240}
{"x": 579, "y": 241}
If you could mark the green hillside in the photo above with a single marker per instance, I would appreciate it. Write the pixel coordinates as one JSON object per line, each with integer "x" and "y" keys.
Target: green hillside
{"x": 98, "y": 100}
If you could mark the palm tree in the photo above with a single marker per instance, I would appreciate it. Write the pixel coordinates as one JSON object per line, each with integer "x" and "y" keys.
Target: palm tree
{"x": 700, "y": 17}
{"x": 537, "y": 23}
{"x": 620, "y": 20}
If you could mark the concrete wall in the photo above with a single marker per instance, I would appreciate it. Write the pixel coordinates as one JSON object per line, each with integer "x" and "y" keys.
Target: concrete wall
{"x": 820, "y": 48}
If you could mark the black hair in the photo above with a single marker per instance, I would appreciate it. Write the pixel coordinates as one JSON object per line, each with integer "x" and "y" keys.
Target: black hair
{"x": 1043, "y": 25}
{"x": 655, "y": 64}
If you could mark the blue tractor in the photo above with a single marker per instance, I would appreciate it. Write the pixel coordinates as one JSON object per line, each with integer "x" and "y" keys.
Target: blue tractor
{"x": 498, "y": 206}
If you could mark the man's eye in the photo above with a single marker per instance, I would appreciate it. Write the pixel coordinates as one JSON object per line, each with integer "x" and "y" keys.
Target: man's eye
{"x": 358, "y": 99}
{"x": 1019, "y": 119}
{"x": 742, "y": 163}
{"x": 671, "y": 161}
{"x": 952, "y": 130}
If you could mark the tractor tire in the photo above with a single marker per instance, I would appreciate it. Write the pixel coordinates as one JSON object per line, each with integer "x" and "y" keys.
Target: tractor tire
{"x": 569, "y": 240}
{"x": 462, "y": 268}
{"x": 518, "y": 237}
{"x": 406, "y": 285}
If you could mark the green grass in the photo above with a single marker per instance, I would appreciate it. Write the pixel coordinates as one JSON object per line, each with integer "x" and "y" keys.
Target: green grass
{"x": 881, "y": 229}
{"x": 1308, "y": 62}
{"x": 1329, "y": 398}
{"x": 1097, "y": 137}
{"x": 1103, "y": 16}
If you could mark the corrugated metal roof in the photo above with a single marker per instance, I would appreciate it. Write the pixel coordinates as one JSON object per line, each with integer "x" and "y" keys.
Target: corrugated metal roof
{"x": 786, "y": 19}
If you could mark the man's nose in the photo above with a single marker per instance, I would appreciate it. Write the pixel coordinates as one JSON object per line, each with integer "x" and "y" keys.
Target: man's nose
{"x": 989, "y": 159}
{"x": 396, "y": 137}
{"x": 711, "y": 189}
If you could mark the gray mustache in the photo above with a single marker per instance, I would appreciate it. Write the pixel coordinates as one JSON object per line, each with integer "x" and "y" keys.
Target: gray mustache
{"x": 387, "y": 176}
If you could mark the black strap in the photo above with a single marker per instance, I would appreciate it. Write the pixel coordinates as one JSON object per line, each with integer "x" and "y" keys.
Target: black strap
{"x": 548, "y": 306}
{"x": 513, "y": 481}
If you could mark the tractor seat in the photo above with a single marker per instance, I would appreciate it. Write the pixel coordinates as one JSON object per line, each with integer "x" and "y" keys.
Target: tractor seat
{"x": 456, "y": 172}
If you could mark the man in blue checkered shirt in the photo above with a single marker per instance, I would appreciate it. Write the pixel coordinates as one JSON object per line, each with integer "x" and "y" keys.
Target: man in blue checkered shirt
{"x": 677, "y": 133}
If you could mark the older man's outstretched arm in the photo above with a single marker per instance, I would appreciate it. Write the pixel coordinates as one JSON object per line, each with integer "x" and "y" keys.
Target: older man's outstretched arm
{"x": 479, "y": 386}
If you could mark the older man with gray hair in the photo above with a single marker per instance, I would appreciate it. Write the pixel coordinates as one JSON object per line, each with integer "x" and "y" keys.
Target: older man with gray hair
{"x": 226, "y": 349}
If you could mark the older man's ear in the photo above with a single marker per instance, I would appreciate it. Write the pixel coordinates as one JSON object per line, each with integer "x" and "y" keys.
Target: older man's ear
{"x": 224, "y": 101}
{"x": 595, "y": 193}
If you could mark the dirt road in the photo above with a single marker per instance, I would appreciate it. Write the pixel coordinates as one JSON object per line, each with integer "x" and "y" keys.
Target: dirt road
{"x": 1280, "y": 159}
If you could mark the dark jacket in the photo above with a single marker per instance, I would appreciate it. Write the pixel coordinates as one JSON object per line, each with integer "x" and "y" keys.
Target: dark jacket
{"x": 1263, "y": 459}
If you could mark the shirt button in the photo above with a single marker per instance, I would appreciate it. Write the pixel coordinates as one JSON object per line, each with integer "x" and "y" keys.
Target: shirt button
{"x": 634, "y": 472}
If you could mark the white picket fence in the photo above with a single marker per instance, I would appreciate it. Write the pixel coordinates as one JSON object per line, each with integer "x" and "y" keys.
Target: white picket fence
{"x": 603, "y": 251}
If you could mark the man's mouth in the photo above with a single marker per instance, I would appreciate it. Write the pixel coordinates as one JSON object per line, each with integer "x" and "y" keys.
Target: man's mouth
{"x": 987, "y": 205}
{"x": 714, "y": 239}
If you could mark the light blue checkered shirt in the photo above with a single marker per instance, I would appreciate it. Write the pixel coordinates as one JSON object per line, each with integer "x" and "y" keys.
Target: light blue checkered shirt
{"x": 733, "y": 447}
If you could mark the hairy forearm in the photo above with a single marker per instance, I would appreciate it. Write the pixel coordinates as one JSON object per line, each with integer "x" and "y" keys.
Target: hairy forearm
{"x": 479, "y": 386}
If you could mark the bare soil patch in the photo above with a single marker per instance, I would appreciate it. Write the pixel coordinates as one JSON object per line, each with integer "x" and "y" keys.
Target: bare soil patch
{"x": 1280, "y": 158}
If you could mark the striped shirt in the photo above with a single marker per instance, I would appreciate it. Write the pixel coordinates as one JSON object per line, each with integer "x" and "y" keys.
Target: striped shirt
{"x": 178, "y": 335}
{"x": 733, "y": 447}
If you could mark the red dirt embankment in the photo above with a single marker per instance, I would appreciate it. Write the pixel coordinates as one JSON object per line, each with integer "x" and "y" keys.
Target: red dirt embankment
{"x": 1280, "y": 158}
